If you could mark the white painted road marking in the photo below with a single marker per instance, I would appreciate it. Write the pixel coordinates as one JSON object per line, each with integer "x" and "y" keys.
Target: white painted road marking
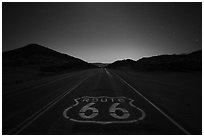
{"x": 113, "y": 110}
{"x": 94, "y": 113}
{"x": 44, "y": 109}
{"x": 106, "y": 101}
{"x": 107, "y": 72}
{"x": 168, "y": 117}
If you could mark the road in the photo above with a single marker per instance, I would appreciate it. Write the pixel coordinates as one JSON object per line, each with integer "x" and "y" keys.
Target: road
{"x": 95, "y": 101}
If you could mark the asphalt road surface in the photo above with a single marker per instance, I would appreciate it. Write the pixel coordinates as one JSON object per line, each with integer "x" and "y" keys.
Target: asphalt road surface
{"x": 95, "y": 101}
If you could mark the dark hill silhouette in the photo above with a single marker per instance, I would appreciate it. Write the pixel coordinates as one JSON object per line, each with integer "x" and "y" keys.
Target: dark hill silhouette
{"x": 183, "y": 62}
{"x": 45, "y": 59}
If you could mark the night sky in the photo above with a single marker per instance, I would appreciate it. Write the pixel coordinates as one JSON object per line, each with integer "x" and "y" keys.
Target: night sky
{"x": 104, "y": 32}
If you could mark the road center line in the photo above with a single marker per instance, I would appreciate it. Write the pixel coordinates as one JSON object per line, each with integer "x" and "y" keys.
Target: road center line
{"x": 36, "y": 115}
{"x": 163, "y": 113}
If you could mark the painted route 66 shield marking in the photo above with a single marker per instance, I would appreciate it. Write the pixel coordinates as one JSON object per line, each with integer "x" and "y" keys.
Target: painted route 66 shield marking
{"x": 104, "y": 110}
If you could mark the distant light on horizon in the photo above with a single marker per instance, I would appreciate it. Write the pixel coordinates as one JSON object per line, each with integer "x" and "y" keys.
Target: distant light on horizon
{"x": 104, "y": 32}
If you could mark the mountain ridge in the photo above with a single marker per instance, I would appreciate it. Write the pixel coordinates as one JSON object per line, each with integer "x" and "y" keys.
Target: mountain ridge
{"x": 182, "y": 62}
{"x": 43, "y": 58}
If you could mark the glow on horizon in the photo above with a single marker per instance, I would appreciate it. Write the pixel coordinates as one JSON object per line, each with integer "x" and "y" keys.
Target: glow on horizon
{"x": 104, "y": 32}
